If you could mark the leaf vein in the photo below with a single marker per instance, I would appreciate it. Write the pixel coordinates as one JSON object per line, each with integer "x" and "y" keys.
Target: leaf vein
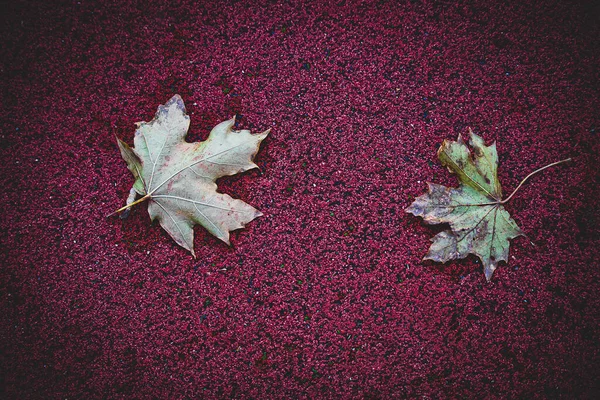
{"x": 166, "y": 196}
{"x": 175, "y": 222}
{"x": 450, "y": 160}
{"x": 194, "y": 163}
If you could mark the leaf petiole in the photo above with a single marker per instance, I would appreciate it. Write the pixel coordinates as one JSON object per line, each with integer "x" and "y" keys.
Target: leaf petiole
{"x": 518, "y": 187}
{"x": 125, "y": 207}
{"x": 531, "y": 174}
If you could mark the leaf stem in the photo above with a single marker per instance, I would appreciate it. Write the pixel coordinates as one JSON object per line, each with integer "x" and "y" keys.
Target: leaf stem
{"x": 531, "y": 174}
{"x": 125, "y": 207}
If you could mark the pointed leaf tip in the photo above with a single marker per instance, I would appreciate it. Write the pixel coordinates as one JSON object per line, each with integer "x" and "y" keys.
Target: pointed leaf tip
{"x": 488, "y": 273}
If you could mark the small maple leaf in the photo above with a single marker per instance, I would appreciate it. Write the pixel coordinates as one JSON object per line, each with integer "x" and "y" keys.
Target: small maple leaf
{"x": 479, "y": 224}
{"x": 177, "y": 178}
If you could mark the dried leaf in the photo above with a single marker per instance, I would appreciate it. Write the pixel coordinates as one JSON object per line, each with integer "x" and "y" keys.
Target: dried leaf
{"x": 479, "y": 224}
{"x": 178, "y": 178}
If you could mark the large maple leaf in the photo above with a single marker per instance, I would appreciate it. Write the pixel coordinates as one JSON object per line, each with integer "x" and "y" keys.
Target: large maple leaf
{"x": 479, "y": 224}
{"x": 177, "y": 178}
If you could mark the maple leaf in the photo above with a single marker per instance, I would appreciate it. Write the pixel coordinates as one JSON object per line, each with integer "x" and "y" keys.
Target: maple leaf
{"x": 479, "y": 224}
{"x": 177, "y": 178}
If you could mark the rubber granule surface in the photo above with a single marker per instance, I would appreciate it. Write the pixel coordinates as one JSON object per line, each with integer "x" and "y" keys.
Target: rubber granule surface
{"x": 325, "y": 296}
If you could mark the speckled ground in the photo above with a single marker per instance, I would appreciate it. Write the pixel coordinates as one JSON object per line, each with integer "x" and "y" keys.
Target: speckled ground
{"x": 326, "y": 295}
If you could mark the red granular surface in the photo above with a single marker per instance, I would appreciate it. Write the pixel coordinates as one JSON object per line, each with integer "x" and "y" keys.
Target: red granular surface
{"x": 326, "y": 295}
